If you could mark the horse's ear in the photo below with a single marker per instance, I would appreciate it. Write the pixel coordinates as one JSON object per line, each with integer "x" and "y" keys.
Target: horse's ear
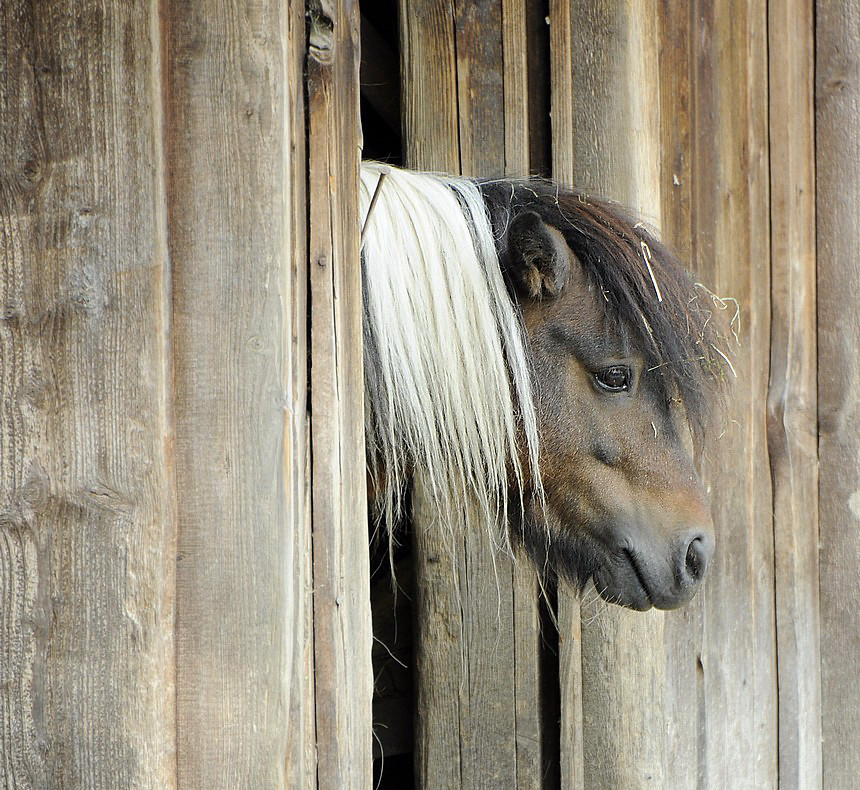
{"x": 538, "y": 258}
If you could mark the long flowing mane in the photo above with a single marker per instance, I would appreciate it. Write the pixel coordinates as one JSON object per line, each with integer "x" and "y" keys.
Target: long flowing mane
{"x": 447, "y": 373}
{"x": 446, "y": 370}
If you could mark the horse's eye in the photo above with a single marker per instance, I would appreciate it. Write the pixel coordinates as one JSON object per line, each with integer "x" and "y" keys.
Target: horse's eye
{"x": 614, "y": 379}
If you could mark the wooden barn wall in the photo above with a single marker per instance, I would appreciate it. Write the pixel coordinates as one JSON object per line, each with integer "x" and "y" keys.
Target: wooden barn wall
{"x": 704, "y": 120}
{"x": 183, "y": 562}
{"x": 342, "y": 673}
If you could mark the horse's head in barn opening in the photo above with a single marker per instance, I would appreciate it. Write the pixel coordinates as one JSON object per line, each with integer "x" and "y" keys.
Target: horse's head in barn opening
{"x": 544, "y": 365}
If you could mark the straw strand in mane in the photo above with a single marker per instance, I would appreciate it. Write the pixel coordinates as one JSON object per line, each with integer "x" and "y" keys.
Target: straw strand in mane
{"x": 447, "y": 379}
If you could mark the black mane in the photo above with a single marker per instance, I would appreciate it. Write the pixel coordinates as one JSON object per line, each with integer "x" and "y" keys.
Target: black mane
{"x": 683, "y": 333}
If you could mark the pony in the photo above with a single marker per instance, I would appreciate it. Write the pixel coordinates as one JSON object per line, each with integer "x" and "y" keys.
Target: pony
{"x": 546, "y": 368}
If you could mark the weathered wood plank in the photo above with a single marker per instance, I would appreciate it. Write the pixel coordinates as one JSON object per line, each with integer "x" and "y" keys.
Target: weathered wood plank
{"x": 837, "y": 135}
{"x": 440, "y": 653}
{"x": 572, "y": 726}
{"x": 341, "y": 573}
{"x": 86, "y": 514}
{"x": 466, "y": 667}
{"x": 530, "y": 746}
{"x": 731, "y": 253}
{"x": 480, "y": 87}
{"x": 428, "y": 85}
{"x": 561, "y": 59}
{"x": 515, "y": 81}
{"x": 792, "y": 427}
{"x": 527, "y": 669}
{"x": 571, "y": 758}
{"x": 428, "y": 74}
{"x": 298, "y": 628}
{"x": 225, "y": 127}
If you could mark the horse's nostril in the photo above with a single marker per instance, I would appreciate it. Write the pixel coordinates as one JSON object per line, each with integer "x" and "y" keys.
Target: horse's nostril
{"x": 697, "y": 556}
{"x": 694, "y": 559}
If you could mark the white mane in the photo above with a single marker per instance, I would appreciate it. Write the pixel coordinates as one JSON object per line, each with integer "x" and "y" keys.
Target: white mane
{"x": 447, "y": 379}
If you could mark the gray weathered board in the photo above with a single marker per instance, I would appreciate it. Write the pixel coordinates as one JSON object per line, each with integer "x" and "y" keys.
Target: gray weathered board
{"x": 478, "y": 721}
{"x": 837, "y": 162}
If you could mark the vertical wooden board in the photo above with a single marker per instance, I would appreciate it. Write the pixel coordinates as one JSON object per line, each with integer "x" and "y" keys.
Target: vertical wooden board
{"x": 615, "y": 102}
{"x": 677, "y": 39}
{"x": 730, "y": 244}
{"x": 480, "y": 87}
{"x": 86, "y": 527}
{"x": 837, "y": 134}
{"x": 299, "y": 665}
{"x": 515, "y": 74}
{"x": 439, "y": 652}
{"x": 610, "y": 145}
{"x": 572, "y": 726}
{"x": 792, "y": 410}
{"x": 342, "y": 622}
{"x": 488, "y": 696}
{"x": 428, "y": 80}
{"x": 561, "y": 49}
{"x": 571, "y": 730}
{"x": 428, "y": 96}
{"x": 528, "y": 710}
{"x": 227, "y": 239}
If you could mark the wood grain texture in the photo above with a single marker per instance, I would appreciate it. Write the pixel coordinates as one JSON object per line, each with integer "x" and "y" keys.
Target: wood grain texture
{"x": 837, "y": 134}
{"x": 530, "y": 732}
{"x": 466, "y": 730}
{"x": 572, "y": 727}
{"x": 298, "y": 627}
{"x": 792, "y": 419}
{"x": 480, "y": 87}
{"x": 721, "y": 649}
{"x": 515, "y": 80}
{"x": 466, "y": 707}
{"x": 731, "y": 253}
{"x": 440, "y": 653}
{"x": 563, "y": 120}
{"x": 86, "y": 524}
{"x": 227, "y": 216}
{"x": 342, "y": 623}
{"x": 428, "y": 85}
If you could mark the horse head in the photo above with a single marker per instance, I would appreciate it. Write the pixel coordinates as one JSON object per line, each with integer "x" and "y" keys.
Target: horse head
{"x": 622, "y": 501}
{"x": 538, "y": 353}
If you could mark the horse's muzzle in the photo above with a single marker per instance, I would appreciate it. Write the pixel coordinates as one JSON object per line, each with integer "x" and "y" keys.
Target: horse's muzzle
{"x": 645, "y": 575}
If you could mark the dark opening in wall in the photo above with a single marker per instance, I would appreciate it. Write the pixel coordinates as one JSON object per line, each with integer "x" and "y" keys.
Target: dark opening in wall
{"x": 380, "y": 81}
